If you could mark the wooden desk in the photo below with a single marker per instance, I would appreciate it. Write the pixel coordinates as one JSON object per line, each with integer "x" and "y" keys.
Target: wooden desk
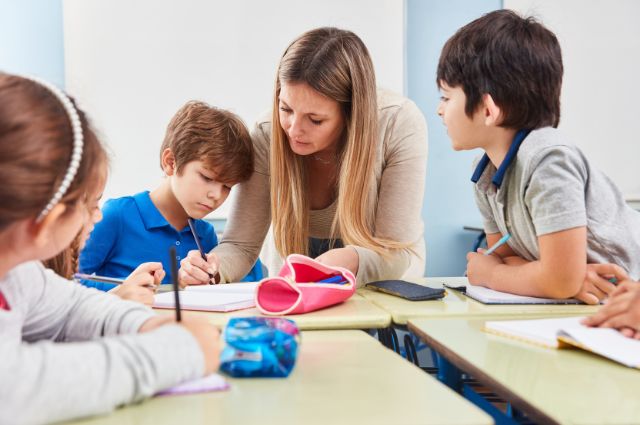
{"x": 549, "y": 385}
{"x": 355, "y": 313}
{"x": 342, "y": 377}
{"x": 456, "y": 305}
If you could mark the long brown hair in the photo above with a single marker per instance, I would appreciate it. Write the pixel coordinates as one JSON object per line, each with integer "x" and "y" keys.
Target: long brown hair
{"x": 335, "y": 63}
{"x": 36, "y": 141}
{"x": 66, "y": 263}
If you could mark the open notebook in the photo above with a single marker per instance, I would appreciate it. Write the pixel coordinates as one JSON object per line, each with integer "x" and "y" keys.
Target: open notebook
{"x": 227, "y": 297}
{"x": 568, "y": 332}
{"x": 490, "y": 296}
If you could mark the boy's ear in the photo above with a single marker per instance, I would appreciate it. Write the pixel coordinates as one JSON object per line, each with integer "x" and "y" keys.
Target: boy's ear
{"x": 491, "y": 111}
{"x": 41, "y": 230}
{"x": 168, "y": 162}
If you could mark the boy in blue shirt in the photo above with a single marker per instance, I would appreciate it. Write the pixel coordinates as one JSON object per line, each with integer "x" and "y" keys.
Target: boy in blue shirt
{"x": 500, "y": 77}
{"x": 205, "y": 152}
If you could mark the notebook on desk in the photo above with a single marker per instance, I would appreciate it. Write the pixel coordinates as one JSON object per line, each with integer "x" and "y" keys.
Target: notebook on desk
{"x": 568, "y": 332}
{"x": 490, "y": 296}
{"x": 221, "y": 298}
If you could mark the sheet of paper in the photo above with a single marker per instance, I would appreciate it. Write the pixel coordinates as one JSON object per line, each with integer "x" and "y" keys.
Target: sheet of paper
{"x": 206, "y": 301}
{"x": 243, "y": 287}
{"x": 608, "y": 343}
{"x": 213, "y": 382}
{"x": 490, "y": 296}
{"x": 540, "y": 331}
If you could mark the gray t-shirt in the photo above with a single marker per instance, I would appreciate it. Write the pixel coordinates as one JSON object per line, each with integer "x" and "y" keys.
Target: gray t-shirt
{"x": 550, "y": 186}
{"x": 68, "y": 351}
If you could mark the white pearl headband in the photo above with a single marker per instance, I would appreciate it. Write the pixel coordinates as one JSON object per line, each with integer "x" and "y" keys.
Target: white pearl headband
{"x": 78, "y": 143}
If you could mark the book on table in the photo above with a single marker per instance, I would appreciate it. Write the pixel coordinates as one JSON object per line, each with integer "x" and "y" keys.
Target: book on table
{"x": 569, "y": 332}
{"x": 491, "y": 296}
{"x": 219, "y": 298}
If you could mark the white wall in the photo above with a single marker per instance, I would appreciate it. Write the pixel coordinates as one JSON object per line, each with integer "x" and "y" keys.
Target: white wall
{"x": 132, "y": 64}
{"x": 600, "y": 43}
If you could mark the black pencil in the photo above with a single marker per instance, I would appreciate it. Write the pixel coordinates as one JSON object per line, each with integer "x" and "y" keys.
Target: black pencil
{"x": 174, "y": 280}
{"x": 192, "y": 226}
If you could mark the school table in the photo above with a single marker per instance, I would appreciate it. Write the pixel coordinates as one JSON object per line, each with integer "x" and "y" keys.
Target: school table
{"x": 568, "y": 386}
{"x": 355, "y": 313}
{"x": 341, "y": 377}
{"x": 457, "y": 305}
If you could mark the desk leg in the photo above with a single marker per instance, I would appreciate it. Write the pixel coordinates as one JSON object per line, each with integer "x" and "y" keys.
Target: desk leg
{"x": 389, "y": 338}
{"x": 410, "y": 350}
{"x": 516, "y": 414}
{"x": 449, "y": 374}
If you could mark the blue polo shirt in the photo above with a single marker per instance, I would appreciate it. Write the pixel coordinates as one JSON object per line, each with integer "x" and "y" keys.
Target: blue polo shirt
{"x": 133, "y": 231}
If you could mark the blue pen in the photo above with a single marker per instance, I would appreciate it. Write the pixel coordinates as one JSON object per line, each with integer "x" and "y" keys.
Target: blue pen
{"x": 333, "y": 279}
{"x": 497, "y": 244}
{"x": 192, "y": 226}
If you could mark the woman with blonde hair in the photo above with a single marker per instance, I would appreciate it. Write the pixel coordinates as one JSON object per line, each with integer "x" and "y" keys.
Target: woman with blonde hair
{"x": 341, "y": 164}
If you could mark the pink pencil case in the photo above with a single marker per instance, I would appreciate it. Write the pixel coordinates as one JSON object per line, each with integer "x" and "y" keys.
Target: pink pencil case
{"x": 304, "y": 285}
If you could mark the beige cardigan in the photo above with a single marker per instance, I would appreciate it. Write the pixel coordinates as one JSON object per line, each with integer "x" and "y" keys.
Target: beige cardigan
{"x": 400, "y": 178}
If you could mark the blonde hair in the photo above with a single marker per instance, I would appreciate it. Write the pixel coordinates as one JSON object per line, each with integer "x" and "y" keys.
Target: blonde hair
{"x": 335, "y": 63}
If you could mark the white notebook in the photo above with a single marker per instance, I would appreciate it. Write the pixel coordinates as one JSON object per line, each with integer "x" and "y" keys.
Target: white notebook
{"x": 222, "y": 298}
{"x": 567, "y": 331}
{"x": 490, "y": 296}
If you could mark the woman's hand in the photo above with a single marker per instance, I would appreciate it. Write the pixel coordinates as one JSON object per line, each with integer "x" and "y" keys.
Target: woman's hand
{"x": 341, "y": 257}
{"x": 195, "y": 271}
{"x": 141, "y": 284}
{"x": 622, "y": 310}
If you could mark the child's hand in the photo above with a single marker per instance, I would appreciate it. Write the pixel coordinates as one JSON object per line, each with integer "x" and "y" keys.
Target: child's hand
{"x": 195, "y": 271}
{"x": 141, "y": 293}
{"x": 207, "y": 336}
{"x": 341, "y": 257}
{"x": 622, "y": 310}
{"x": 480, "y": 267}
{"x": 141, "y": 284}
{"x": 150, "y": 274}
{"x": 597, "y": 286}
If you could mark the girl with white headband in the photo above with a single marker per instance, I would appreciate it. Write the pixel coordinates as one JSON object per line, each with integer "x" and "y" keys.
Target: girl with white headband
{"x": 122, "y": 352}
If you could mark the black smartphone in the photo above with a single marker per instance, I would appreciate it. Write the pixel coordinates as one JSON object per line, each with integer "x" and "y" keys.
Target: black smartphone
{"x": 407, "y": 290}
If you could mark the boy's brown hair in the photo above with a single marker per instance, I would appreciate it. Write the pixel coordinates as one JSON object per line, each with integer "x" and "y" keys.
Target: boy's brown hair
{"x": 219, "y": 138}
{"x": 514, "y": 59}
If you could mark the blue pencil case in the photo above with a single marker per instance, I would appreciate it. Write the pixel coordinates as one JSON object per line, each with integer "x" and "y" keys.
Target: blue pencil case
{"x": 260, "y": 347}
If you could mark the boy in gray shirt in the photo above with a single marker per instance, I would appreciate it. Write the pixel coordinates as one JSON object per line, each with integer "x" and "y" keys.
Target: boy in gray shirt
{"x": 500, "y": 78}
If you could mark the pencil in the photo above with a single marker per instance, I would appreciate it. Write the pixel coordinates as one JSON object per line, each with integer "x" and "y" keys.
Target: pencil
{"x": 192, "y": 226}
{"x": 174, "y": 280}
{"x": 96, "y": 278}
{"x": 497, "y": 245}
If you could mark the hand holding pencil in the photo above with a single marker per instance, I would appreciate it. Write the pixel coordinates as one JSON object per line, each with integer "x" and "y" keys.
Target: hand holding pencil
{"x": 141, "y": 284}
{"x": 198, "y": 267}
{"x": 195, "y": 271}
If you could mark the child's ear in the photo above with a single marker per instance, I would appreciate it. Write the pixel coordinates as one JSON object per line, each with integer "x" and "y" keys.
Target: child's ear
{"x": 41, "y": 230}
{"x": 492, "y": 112}
{"x": 168, "y": 162}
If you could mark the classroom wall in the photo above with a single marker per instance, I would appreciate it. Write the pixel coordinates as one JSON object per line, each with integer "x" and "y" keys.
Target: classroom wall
{"x": 32, "y": 34}
{"x": 448, "y": 203}
{"x": 600, "y": 43}
{"x": 222, "y": 52}
{"x": 31, "y": 38}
